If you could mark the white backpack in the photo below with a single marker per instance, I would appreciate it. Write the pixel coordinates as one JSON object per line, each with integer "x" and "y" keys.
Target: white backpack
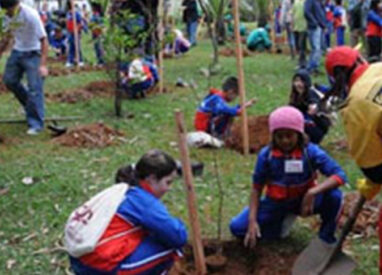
{"x": 88, "y": 222}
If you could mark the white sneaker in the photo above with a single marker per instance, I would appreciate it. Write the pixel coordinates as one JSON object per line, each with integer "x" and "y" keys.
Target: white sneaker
{"x": 68, "y": 65}
{"x": 33, "y": 131}
{"x": 81, "y": 64}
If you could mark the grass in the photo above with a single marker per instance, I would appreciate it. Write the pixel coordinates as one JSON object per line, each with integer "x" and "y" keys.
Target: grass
{"x": 32, "y": 217}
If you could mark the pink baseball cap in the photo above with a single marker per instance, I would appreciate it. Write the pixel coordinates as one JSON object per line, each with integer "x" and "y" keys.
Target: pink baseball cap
{"x": 286, "y": 117}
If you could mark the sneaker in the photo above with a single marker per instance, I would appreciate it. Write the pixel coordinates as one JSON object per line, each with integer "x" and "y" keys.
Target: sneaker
{"x": 33, "y": 131}
{"x": 81, "y": 64}
{"x": 68, "y": 65}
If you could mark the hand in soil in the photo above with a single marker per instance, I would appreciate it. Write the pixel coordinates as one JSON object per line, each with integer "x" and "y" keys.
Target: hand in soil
{"x": 252, "y": 234}
{"x": 307, "y": 204}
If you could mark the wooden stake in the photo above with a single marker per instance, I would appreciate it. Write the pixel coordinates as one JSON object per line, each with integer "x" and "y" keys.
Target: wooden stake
{"x": 191, "y": 196}
{"x": 160, "y": 34}
{"x": 76, "y": 40}
{"x": 240, "y": 72}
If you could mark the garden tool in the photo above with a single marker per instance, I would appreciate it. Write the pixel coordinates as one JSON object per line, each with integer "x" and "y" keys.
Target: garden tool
{"x": 320, "y": 258}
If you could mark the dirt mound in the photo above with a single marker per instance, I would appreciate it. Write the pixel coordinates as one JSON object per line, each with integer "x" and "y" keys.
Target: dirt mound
{"x": 61, "y": 71}
{"x": 228, "y": 52}
{"x": 96, "y": 135}
{"x": 93, "y": 89}
{"x": 259, "y": 135}
{"x": 367, "y": 221}
{"x": 266, "y": 259}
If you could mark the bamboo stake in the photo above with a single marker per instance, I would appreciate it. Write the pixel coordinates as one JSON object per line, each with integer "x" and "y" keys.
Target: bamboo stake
{"x": 160, "y": 34}
{"x": 191, "y": 196}
{"x": 76, "y": 40}
{"x": 240, "y": 71}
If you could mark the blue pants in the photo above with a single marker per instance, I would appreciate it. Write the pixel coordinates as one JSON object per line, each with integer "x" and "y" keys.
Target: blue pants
{"x": 340, "y": 33}
{"x": 191, "y": 31}
{"x": 139, "y": 89}
{"x": 219, "y": 125}
{"x": 72, "y": 48}
{"x": 99, "y": 51}
{"x": 328, "y": 34}
{"x": 271, "y": 214}
{"x": 150, "y": 258}
{"x": 314, "y": 36}
{"x": 32, "y": 96}
{"x": 291, "y": 40}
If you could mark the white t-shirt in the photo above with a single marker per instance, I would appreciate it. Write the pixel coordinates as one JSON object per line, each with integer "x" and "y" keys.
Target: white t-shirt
{"x": 29, "y": 29}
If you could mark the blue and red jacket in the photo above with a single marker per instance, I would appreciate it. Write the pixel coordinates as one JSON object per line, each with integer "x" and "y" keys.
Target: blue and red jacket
{"x": 339, "y": 15}
{"x": 70, "y": 21}
{"x": 140, "y": 214}
{"x": 374, "y": 24}
{"x": 281, "y": 185}
{"x": 213, "y": 105}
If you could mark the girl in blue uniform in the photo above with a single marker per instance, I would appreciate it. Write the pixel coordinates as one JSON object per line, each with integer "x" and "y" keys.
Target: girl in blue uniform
{"x": 288, "y": 169}
{"x": 153, "y": 237}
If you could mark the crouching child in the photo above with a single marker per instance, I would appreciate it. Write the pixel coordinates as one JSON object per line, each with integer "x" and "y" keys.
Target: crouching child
{"x": 140, "y": 236}
{"x": 288, "y": 169}
{"x": 214, "y": 116}
{"x": 140, "y": 76}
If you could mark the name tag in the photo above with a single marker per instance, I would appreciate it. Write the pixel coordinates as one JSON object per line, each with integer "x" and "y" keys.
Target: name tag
{"x": 294, "y": 166}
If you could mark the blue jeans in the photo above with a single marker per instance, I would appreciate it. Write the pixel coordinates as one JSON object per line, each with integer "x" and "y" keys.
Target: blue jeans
{"x": 314, "y": 36}
{"x": 340, "y": 32}
{"x": 99, "y": 51}
{"x": 191, "y": 31}
{"x": 32, "y": 96}
{"x": 271, "y": 214}
{"x": 291, "y": 39}
{"x": 72, "y": 48}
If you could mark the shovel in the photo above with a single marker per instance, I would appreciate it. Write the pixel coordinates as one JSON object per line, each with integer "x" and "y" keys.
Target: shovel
{"x": 320, "y": 258}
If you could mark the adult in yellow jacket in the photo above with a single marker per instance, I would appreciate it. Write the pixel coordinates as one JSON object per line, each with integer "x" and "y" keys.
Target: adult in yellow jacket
{"x": 360, "y": 85}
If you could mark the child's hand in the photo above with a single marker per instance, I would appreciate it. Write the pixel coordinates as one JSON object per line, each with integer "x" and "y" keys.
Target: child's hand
{"x": 307, "y": 204}
{"x": 253, "y": 233}
{"x": 250, "y": 102}
{"x": 312, "y": 109}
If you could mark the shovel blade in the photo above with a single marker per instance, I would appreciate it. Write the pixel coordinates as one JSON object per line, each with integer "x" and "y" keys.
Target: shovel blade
{"x": 314, "y": 260}
{"x": 340, "y": 265}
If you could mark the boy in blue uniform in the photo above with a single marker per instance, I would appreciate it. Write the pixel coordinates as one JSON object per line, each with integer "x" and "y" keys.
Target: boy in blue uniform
{"x": 288, "y": 169}
{"x": 214, "y": 116}
{"x": 142, "y": 237}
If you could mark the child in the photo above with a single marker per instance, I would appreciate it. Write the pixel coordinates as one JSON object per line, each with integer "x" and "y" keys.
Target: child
{"x": 182, "y": 45}
{"x": 307, "y": 99}
{"x": 96, "y": 22}
{"x": 288, "y": 169}
{"x": 140, "y": 76}
{"x": 58, "y": 41}
{"x": 329, "y": 9}
{"x": 155, "y": 236}
{"x": 71, "y": 39}
{"x": 258, "y": 40}
{"x": 374, "y": 31}
{"x": 340, "y": 22}
{"x": 214, "y": 116}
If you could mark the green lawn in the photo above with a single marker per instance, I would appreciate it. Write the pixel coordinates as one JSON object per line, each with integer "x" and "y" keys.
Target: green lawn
{"x": 32, "y": 217}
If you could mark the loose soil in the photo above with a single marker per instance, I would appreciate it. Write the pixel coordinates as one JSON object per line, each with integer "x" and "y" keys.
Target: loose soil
{"x": 259, "y": 135}
{"x": 93, "y": 89}
{"x": 96, "y": 89}
{"x": 367, "y": 221}
{"x": 265, "y": 259}
{"x": 96, "y": 135}
{"x": 228, "y": 52}
{"x": 61, "y": 71}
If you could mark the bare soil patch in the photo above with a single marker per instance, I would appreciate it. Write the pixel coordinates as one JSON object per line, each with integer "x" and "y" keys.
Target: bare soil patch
{"x": 259, "y": 135}
{"x": 96, "y": 135}
{"x": 229, "y": 52}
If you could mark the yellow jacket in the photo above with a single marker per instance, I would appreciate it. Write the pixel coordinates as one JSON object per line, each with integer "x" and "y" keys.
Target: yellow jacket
{"x": 362, "y": 117}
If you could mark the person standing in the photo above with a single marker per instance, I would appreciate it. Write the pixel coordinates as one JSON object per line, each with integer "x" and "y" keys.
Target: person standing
{"x": 191, "y": 17}
{"x": 299, "y": 29}
{"x": 287, "y": 23}
{"x": 28, "y": 57}
{"x": 315, "y": 16}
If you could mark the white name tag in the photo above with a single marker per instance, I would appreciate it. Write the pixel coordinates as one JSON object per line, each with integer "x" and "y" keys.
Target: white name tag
{"x": 294, "y": 166}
